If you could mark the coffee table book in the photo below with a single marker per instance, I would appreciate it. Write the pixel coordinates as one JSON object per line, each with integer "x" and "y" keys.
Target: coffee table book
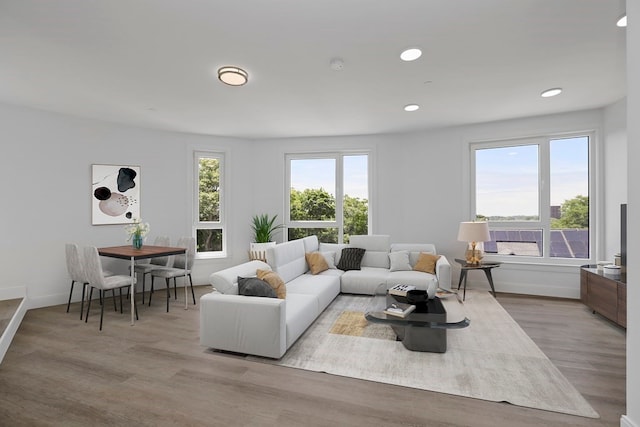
{"x": 401, "y": 290}
{"x": 399, "y": 309}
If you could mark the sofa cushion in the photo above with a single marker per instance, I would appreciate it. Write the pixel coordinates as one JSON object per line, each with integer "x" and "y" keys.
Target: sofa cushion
{"x": 426, "y": 263}
{"x": 275, "y": 281}
{"x": 316, "y": 262}
{"x": 351, "y": 258}
{"x": 254, "y": 287}
{"x": 287, "y": 259}
{"x": 330, "y": 259}
{"x": 377, "y": 249}
{"x": 399, "y": 261}
{"x": 364, "y": 281}
{"x": 324, "y": 286}
{"x": 415, "y": 249}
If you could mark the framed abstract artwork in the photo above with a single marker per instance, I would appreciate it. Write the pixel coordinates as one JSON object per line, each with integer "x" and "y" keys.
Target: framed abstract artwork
{"x": 115, "y": 194}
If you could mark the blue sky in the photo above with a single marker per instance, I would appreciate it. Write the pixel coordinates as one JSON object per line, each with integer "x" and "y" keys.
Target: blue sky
{"x": 507, "y": 178}
{"x": 320, "y": 173}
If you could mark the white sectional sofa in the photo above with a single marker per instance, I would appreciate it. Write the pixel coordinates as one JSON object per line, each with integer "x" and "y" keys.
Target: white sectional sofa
{"x": 269, "y": 326}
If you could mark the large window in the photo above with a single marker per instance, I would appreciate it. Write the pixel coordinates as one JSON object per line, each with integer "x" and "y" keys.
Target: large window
{"x": 209, "y": 213}
{"x": 328, "y": 195}
{"x": 535, "y": 195}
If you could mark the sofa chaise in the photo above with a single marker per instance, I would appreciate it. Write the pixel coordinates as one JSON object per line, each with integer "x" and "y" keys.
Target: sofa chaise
{"x": 269, "y": 326}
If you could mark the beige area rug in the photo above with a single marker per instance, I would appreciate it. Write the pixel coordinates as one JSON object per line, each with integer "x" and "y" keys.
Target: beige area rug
{"x": 493, "y": 359}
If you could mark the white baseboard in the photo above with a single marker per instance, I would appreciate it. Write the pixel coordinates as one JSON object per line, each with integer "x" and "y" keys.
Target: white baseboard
{"x": 12, "y": 293}
{"x": 625, "y": 421}
{"x": 12, "y": 328}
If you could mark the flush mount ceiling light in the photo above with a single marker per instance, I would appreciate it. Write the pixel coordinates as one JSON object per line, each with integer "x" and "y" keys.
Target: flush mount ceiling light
{"x": 411, "y": 54}
{"x": 233, "y": 76}
{"x": 411, "y": 107}
{"x": 551, "y": 92}
{"x": 622, "y": 22}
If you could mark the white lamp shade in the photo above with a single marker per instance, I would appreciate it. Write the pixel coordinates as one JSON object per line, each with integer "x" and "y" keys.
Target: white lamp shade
{"x": 474, "y": 232}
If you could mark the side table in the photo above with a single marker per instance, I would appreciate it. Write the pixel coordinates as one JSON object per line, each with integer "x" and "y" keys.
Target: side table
{"x": 465, "y": 268}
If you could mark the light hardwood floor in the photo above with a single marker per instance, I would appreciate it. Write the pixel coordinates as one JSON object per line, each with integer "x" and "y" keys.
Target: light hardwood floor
{"x": 60, "y": 371}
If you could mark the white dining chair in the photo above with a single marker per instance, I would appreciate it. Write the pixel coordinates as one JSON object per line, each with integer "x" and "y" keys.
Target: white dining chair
{"x": 76, "y": 272}
{"x": 182, "y": 265}
{"x": 97, "y": 280}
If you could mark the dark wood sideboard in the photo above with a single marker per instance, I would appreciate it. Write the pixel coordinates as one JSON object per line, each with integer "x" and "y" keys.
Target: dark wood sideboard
{"x": 604, "y": 294}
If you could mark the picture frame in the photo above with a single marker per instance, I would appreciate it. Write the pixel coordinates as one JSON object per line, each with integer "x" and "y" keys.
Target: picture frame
{"x": 115, "y": 194}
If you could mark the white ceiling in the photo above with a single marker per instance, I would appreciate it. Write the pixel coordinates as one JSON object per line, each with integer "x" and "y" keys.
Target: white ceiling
{"x": 152, "y": 63}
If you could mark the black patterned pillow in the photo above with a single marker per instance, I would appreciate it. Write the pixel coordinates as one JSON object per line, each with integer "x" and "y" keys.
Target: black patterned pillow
{"x": 254, "y": 287}
{"x": 350, "y": 259}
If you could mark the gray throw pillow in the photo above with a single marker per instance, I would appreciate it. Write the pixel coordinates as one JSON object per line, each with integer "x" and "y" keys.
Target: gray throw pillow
{"x": 254, "y": 287}
{"x": 350, "y": 259}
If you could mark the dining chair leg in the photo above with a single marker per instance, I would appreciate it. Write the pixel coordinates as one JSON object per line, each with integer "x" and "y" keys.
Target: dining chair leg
{"x": 175, "y": 289}
{"x": 143, "y": 276}
{"x": 86, "y": 317}
{"x": 71, "y": 293}
{"x": 193, "y": 295}
{"x": 135, "y": 307}
{"x": 84, "y": 288}
{"x": 102, "y": 307}
{"x": 120, "y": 300}
{"x": 151, "y": 291}
{"x": 168, "y": 294}
{"x": 113, "y": 294}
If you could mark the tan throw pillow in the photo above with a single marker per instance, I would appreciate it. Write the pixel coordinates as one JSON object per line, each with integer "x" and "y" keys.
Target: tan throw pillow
{"x": 316, "y": 261}
{"x": 274, "y": 280}
{"x": 426, "y": 263}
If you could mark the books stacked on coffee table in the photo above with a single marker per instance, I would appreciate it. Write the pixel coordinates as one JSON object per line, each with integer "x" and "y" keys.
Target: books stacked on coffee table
{"x": 400, "y": 290}
{"x": 399, "y": 309}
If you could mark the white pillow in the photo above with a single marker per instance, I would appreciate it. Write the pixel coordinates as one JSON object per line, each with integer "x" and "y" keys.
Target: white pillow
{"x": 330, "y": 258}
{"x": 399, "y": 261}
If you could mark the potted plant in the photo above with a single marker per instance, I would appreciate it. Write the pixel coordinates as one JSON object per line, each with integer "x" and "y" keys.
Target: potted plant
{"x": 263, "y": 228}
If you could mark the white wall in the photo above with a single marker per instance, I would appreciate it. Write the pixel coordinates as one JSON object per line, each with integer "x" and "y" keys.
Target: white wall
{"x": 633, "y": 278}
{"x": 614, "y": 160}
{"x": 45, "y": 169}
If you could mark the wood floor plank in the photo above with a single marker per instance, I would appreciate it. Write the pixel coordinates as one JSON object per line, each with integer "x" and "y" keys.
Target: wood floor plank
{"x": 62, "y": 371}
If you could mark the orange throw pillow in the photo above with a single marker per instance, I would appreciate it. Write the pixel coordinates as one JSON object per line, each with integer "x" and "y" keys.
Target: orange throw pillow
{"x": 316, "y": 261}
{"x": 426, "y": 263}
{"x": 275, "y": 281}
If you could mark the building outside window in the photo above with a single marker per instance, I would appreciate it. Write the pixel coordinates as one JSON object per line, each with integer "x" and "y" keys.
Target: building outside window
{"x": 209, "y": 218}
{"x": 535, "y": 193}
{"x": 328, "y": 196}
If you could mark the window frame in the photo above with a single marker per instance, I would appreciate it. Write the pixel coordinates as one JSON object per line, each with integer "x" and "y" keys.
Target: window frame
{"x": 209, "y": 225}
{"x": 544, "y": 196}
{"x": 338, "y": 156}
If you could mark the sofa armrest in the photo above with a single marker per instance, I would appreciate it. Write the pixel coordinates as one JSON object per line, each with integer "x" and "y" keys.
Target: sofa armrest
{"x": 443, "y": 272}
{"x": 243, "y": 324}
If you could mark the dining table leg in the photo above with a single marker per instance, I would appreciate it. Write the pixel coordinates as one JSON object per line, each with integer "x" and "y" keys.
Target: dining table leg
{"x": 133, "y": 290}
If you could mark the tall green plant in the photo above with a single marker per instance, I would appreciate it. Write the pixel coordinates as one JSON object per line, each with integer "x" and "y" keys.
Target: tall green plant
{"x": 263, "y": 227}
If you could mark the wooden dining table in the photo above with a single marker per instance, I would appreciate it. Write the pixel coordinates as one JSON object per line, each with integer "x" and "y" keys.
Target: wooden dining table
{"x": 128, "y": 252}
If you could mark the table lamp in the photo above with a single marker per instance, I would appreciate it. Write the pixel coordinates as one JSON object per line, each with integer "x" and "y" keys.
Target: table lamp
{"x": 472, "y": 233}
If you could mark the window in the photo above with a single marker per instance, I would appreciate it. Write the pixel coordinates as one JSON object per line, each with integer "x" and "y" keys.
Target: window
{"x": 209, "y": 213}
{"x": 328, "y": 195}
{"x": 535, "y": 195}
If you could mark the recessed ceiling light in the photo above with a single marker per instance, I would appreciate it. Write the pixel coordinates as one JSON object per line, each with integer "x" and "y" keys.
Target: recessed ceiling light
{"x": 411, "y": 107}
{"x": 411, "y": 54}
{"x": 551, "y": 92}
{"x": 233, "y": 76}
{"x": 622, "y": 22}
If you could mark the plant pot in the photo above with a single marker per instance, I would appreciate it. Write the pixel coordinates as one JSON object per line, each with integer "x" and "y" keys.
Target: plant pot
{"x": 258, "y": 251}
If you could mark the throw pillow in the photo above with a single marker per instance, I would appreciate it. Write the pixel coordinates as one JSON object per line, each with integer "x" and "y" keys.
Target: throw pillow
{"x": 274, "y": 280}
{"x": 317, "y": 263}
{"x": 399, "y": 261}
{"x": 426, "y": 263}
{"x": 350, "y": 259}
{"x": 254, "y": 287}
{"x": 329, "y": 257}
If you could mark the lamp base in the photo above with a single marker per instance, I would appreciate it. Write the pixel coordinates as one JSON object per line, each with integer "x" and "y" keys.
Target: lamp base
{"x": 473, "y": 256}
